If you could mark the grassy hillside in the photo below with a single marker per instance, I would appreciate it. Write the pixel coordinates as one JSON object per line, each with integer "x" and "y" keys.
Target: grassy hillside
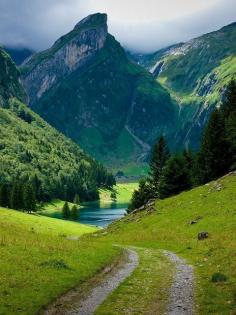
{"x": 40, "y": 258}
{"x": 212, "y": 206}
{"x": 31, "y": 150}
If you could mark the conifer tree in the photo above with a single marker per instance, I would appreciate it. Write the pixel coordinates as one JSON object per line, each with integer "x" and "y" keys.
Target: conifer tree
{"x": 175, "y": 178}
{"x": 4, "y": 195}
{"x": 229, "y": 116}
{"x": 159, "y": 157}
{"x": 29, "y": 198}
{"x": 213, "y": 158}
{"x": 74, "y": 213}
{"x": 66, "y": 211}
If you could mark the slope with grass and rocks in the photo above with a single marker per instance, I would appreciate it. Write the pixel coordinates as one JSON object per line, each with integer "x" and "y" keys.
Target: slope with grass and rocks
{"x": 196, "y": 74}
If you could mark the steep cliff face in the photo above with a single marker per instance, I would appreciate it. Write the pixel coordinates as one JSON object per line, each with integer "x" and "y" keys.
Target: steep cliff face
{"x": 87, "y": 88}
{"x": 69, "y": 53}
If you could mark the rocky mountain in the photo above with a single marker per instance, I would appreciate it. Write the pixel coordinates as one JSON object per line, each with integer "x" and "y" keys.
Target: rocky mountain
{"x": 195, "y": 73}
{"x": 19, "y": 54}
{"x": 86, "y": 87}
{"x": 30, "y": 148}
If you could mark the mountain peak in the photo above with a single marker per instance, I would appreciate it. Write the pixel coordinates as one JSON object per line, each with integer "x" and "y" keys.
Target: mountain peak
{"x": 96, "y": 19}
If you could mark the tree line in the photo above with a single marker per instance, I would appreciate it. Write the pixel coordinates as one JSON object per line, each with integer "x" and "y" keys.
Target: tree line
{"x": 171, "y": 174}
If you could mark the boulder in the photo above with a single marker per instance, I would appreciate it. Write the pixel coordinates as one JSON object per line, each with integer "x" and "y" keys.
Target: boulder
{"x": 203, "y": 235}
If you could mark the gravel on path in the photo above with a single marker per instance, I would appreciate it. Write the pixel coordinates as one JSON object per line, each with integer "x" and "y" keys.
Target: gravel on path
{"x": 68, "y": 305}
{"x": 182, "y": 290}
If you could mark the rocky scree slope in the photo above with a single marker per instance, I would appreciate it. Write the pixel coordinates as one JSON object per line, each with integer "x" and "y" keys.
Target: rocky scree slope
{"x": 86, "y": 87}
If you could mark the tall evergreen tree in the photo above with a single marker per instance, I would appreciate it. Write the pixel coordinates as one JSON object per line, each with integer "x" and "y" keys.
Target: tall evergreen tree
{"x": 66, "y": 211}
{"x": 16, "y": 198}
{"x": 74, "y": 213}
{"x": 29, "y": 198}
{"x": 229, "y": 116}
{"x": 141, "y": 196}
{"x": 159, "y": 157}
{"x": 175, "y": 178}
{"x": 4, "y": 195}
{"x": 213, "y": 158}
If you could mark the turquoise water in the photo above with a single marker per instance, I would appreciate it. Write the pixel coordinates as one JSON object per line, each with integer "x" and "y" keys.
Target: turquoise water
{"x": 93, "y": 214}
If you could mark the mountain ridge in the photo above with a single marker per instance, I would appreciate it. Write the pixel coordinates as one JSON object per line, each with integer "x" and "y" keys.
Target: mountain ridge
{"x": 95, "y": 102}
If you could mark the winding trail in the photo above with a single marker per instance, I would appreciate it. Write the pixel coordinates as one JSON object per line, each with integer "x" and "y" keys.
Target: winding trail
{"x": 182, "y": 290}
{"x": 99, "y": 293}
{"x": 181, "y": 299}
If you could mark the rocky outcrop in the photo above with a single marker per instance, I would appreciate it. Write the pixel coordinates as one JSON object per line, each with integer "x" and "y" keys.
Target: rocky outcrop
{"x": 70, "y": 53}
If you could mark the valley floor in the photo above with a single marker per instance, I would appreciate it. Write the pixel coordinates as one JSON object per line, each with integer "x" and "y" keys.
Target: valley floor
{"x": 38, "y": 267}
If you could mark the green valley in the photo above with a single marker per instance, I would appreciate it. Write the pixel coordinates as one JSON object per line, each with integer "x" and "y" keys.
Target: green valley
{"x": 167, "y": 227}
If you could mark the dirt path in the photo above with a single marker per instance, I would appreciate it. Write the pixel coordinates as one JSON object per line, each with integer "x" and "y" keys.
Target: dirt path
{"x": 182, "y": 291}
{"x": 72, "y": 303}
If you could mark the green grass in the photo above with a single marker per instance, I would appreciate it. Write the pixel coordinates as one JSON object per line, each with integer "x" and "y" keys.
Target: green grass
{"x": 213, "y": 206}
{"x": 124, "y": 193}
{"x": 39, "y": 262}
{"x": 133, "y": 297}
{"x": 169, "y": 228}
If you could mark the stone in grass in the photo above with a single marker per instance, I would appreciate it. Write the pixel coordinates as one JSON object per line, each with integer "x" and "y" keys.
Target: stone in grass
{"x": 55, "y": 263}
{"x": 218, "y": 277}
{"x": 203, "y": 235}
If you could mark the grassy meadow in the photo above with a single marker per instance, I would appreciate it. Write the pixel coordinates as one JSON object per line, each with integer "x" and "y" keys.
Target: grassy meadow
{"x": 41, "y": 257}
{"x": 39, "y": 262}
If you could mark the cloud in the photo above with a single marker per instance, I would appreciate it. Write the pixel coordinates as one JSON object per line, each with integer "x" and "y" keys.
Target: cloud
{"x": 143, "y": 25}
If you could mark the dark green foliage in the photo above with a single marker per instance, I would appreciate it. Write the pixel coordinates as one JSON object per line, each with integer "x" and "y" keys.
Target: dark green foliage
{"x": 113, "y": 195}
{"x": 141, "y": 196}
{"x": 218, "y": 277}
{"x": 33, "y": 153}
{"x": 74, "y": 215}
{"x": 159, "y": 158}
{"x": 229, "y": 116}
{"x": 66, "y": 211}
{"x": 4, "y": 196}
{"x": 213, "y": 158}
{"x": 16, "y": 196}
{"x": 29, "y": 198}
{"x": 175, "y": 177}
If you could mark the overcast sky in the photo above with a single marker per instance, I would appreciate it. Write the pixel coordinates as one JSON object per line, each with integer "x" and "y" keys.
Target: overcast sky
{"x": 140, "y": 25}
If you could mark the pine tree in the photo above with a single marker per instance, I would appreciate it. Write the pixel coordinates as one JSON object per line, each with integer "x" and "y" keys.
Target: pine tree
{"x": 213, "y": 158}
{"x": 175, "y": 178}
{"x": 66, "y": 211}
{"x": 4, "y": 196}
{"x": 74, "y": 213}
{"x": 16, "y": 198}
{"x": 29, "y": 198}
{"x": 159, "y": 157}
{"x": 140, "y": 196}
{"x": 229, "y": 116}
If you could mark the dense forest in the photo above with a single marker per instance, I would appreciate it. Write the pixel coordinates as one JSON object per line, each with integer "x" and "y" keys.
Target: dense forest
{"x": 37, "y": 163}
{"x": 171, "y": 174}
